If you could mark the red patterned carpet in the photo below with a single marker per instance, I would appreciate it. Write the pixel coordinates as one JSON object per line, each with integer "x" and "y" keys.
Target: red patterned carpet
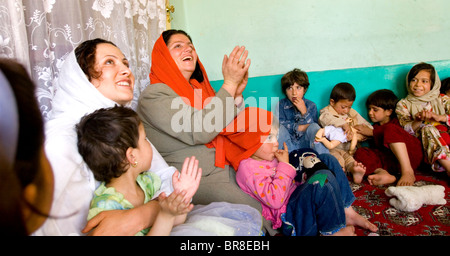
{"x": 430, "y": 220}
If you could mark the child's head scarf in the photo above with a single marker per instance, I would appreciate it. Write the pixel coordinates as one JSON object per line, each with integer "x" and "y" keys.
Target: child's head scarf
{"x": 415, "y": 104}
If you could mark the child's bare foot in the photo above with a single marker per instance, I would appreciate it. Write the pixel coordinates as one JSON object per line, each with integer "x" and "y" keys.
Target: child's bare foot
{"x": 357, "y": 170}
{"x": 354, "y": 219}
{"x": 407, "y": 179}
{"x": 347, "y": 231}
{"x": 381, "y": 177}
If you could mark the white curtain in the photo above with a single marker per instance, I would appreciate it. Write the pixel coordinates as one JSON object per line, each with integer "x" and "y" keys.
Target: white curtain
{"x": 40, "y": 33}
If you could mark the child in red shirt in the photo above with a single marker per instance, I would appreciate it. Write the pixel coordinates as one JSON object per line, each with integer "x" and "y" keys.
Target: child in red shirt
{"x": 395, "y": 151}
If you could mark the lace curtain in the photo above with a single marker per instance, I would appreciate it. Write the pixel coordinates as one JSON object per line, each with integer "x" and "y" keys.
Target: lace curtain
{"x": 40, "y": 33}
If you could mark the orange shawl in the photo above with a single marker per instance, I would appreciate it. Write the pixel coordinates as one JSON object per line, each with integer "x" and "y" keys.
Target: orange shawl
{"x": 241, "y": 138}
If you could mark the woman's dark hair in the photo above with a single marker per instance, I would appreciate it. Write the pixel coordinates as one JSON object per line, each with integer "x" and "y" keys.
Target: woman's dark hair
{"x": 343, "y": 91}
{"x": 295, "y": 76}
{"x": 384, "y": 98}
{"x": 31, "y": 124}
{"x": 422, "y": 66}
{"x": 27, "y": 161}
{"x": 103, "y": 139}
{"x": 85, "y": 54}
{"x": 198, "y": 74}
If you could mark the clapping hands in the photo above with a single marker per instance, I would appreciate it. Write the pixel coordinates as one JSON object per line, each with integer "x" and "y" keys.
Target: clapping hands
{"x": 185, "y": 185}
{"x": 235, "y": 71}
{"x": 189, "y": 179}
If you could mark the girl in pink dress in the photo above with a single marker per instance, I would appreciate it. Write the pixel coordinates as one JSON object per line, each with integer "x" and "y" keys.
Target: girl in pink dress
{"x": 305, "y": 200}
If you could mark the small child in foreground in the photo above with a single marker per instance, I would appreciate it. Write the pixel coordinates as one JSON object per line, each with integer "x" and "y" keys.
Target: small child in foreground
{"x": 309, "y": 199}
{"x": 113, "y": 144}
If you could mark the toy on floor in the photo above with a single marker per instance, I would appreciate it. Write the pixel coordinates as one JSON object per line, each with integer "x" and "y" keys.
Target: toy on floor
{"x": 411, "y": 198}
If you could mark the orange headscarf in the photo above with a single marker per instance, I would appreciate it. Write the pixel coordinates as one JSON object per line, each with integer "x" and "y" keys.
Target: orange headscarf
{"x": 241, "y": 138}
{"x": 165, "y": 70}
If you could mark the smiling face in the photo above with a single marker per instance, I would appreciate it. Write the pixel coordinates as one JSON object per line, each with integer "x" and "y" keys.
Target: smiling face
{"x": 183, "y": 53}
{"x": 421, "y": 83}
{"x": 116, "y": 81}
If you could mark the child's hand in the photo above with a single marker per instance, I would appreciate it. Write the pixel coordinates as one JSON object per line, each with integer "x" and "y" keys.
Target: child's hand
{"x": 299, "y": 103}
{"x": 302, "y": 127}
{"x": 418, "y": 116}
{"x": 321, "y": 139}
{"x": 424, "y": 115}
{"x": 346, "y": 128}
{"x": 430, "y": 116}
{"x": 364, "y": 129}
{"x": 320, "y": 136}
{"x": 438, "y": 118}
{"x": 174, "y": 204}
{"x": 282, "y": 155}
{"x": 348, "y": 131}
{"x": 189, "y": 179}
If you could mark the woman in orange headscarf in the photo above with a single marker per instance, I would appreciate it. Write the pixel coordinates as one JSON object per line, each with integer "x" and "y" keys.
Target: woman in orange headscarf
{"x": 184, "y": 116}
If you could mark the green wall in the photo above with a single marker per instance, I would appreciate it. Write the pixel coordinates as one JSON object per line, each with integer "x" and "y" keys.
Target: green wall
{"x": 365, "y": 81}
{"x": 371, "y": 44}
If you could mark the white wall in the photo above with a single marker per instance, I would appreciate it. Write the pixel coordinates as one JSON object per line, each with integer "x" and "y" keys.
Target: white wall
{"x": 316, "y": 35}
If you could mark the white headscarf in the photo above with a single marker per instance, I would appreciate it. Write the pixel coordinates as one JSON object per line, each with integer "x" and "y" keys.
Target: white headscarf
{"x": 74, "y": 182}
{"x": 75, "y": 95}
{"x": 415, "y": 104}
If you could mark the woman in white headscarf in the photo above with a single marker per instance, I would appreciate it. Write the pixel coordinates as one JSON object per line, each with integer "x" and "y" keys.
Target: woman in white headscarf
{"x": 95, "y": 75}
{"x": 425, "y": 114}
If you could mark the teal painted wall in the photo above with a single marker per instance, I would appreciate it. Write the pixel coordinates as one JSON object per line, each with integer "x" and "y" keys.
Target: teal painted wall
{"x": 371, "y": 44}
{"x": 365, "y": 81}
